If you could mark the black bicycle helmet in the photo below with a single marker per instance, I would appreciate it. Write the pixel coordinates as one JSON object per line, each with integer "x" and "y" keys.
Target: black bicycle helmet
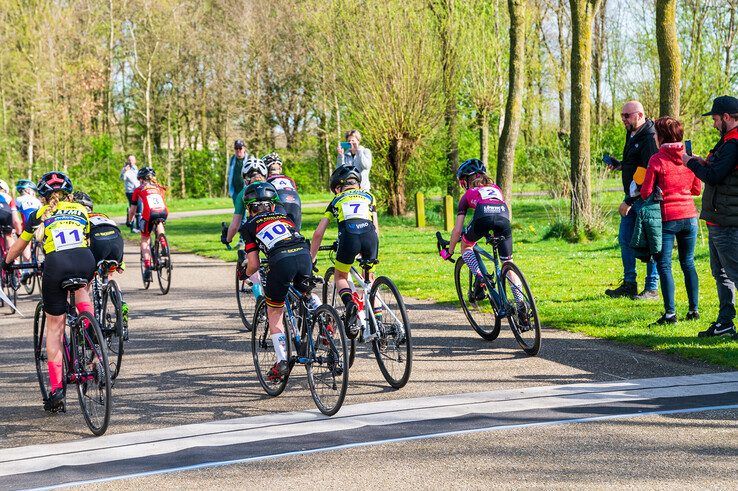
{"x": 272, "y": 158}
{"x": 83, "y": 199}
{"x": 145, "y": 173}
{"x": 471, "y": 167}
{"x": 342, "y": 174}
{"x": 24, "y": 184}
{"x": 260, "y": 191}
{"x": 54, "y": 181}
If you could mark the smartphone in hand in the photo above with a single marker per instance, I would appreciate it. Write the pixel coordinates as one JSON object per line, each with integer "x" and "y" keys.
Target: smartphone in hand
{"x": 688, "y": 147}
{"x": 346, "y": 145}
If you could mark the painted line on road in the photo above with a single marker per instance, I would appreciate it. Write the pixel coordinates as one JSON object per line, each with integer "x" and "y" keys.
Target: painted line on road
{"x": 349, "y": 446}
{"x": 146, "y": 444}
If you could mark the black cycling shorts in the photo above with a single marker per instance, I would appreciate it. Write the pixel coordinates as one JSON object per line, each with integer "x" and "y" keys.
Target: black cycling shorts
{"x": 498, "y": 224}
{"x": 106, "y": 243}
{"x": 292, "y": 266}
{"x": 350, "y": 244}
{"x": 60, "y": 266}
{"x": 6, "y": 219}
{"x": 146, "y": 229}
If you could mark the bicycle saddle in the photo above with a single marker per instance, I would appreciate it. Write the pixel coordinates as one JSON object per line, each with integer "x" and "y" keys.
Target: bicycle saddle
{"x": 74, "y": 284}
{"x": 368, "y": 263}
{"x": 108, "y": 264}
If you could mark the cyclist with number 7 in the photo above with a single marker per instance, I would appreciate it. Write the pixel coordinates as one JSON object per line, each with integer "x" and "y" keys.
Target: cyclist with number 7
{"x": 66, "y": 227}
{"x": 150, "y": 195}
{"x": 355, "y": 211}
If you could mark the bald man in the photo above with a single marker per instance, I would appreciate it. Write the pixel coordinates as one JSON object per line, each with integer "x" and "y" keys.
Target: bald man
{"x": 640, "y": 145}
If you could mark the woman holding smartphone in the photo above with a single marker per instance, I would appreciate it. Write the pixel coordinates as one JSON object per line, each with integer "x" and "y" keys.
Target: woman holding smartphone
{"x": 678, "y": 185}
{"x": 351, "y": 153}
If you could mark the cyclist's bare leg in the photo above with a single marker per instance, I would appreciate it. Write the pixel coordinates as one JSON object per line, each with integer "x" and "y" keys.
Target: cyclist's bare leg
{"x": 146, "y": 249}
{"x": 276, "y": 330}
{"x": 159, "y": 228}
{"x": 341, "y": 280}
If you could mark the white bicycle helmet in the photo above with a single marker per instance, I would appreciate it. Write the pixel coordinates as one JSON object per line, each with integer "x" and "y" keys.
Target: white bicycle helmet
{"x": 4, "y": 186}
{"x": 253, "y": 165}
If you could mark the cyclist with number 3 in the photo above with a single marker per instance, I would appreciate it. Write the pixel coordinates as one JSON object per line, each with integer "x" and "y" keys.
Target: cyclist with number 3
{"x": 150, "y": 196}
{"x": 66, "y": 227}
{"x": 274, "y": 234}
{"x": 355, "y": 211}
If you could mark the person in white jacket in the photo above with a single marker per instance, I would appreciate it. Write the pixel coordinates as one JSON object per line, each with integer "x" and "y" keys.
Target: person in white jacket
{"x": 128, "y": 174}
{"x": 357, "y": 156}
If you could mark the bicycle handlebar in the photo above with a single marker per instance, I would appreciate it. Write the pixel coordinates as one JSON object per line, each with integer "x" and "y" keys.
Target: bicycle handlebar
{"x": 332, "y": 247}
{"x": 23, "y": 266}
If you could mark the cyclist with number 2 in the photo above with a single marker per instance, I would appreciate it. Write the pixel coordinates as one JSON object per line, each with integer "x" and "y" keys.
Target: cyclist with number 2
{"x": 355, "y": 211}
{"x": 66, "y": 227}
{"x": 287, "y": 252}
{"x": 150, "y": 196}
{"x": 286, "y": 188}
{"x": 491, "y": 214}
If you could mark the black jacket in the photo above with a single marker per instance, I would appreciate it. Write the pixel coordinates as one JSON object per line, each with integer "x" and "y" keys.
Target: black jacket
{"x": 720, "y": 175}
{"x": 637, "y": 151}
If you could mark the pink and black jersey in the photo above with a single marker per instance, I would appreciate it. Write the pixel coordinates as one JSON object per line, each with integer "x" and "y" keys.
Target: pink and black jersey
{"x": 484, "y": 200}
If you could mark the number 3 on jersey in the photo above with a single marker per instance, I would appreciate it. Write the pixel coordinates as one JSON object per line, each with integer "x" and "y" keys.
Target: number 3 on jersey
{"x": 273, "y": 233}
{"x": 155, "y": 202}
{"x": 67, "y": 238}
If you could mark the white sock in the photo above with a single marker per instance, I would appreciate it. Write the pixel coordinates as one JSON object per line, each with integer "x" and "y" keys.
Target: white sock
{"x": 280, "y": 346}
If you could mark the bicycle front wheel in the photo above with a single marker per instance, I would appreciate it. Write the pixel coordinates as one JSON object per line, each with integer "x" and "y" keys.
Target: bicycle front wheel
{"x": 112, "y": 327}
{"x": 38, "y": 252}
{"x": 393, "y": 345}
{"x": 163, "y": 263}
{"x": 12, "y": 283}
{"x": 262, "y": 351}
{"x": 327, "y": 368}
{"x": 92, "y": 373}
{"x": 39, "y": 350}
{"x": 521, "y": 309}
{"x": 244, "y": 297}
{"x": 29, "y": 285}
{"x": 481, "y": 313}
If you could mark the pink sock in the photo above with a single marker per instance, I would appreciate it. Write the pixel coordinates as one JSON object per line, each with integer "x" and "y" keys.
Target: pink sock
{"x": 55, "y": 375}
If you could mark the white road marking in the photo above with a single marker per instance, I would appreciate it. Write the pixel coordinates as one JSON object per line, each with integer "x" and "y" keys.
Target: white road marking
{"x": 149, "y": 443}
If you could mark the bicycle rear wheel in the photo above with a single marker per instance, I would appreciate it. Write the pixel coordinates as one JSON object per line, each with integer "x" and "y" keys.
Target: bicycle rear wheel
{"x": 92, "y": 373}
{"x": 392, "y": 347}
{"x": 481, "y": 314}
{"x": 39, "y": 350}
{"x": 244, "y": 297}
{"x": 112, "y": 327}
{"x": 164, "y": 263}
{"x": 522, "y": 311}
{"x": 327, "y": 370}
{"x": 262, "y": 351}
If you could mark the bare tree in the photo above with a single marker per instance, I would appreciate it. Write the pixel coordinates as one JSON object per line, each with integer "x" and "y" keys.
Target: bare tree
{"x": 670, "y": 59}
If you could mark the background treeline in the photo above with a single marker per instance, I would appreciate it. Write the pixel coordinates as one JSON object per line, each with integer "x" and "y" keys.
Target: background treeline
{"x": 428, "y": 83}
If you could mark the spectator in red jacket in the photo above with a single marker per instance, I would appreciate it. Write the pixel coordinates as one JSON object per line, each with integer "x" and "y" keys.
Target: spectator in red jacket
{"x": 679, "y": 215}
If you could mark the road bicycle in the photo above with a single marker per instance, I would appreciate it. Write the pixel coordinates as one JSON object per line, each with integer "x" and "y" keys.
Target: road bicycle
{"x": 161, "y": 260}
{"x": 9, "y": 280}
{"x": 315, "y": 338}
{"x": 85, "y": 361}
{"x": 498, "y": 294}
{"x": 111, "y": 313}
{"x": 36, "y": 272}
{"x": 382, "y": 320}
{"x": 245, "y": 297}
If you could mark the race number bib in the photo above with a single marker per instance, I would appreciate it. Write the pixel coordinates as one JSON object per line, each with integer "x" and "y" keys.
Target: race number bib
{"x": 273, "y": 233}
{"x": 283, "y": 184}
{"x": 358, "y": 209}
{"x": 155, "y": 201}
{"x": 67, "y": 238}
{"x": 490, "y": 193}
{"x": 96, "y": 221}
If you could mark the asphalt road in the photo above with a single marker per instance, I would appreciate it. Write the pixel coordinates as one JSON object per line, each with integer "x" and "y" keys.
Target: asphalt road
{"x": 188, "y": 363}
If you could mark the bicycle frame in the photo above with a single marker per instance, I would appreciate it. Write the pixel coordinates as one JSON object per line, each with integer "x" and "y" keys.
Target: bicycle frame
{"x": 292, "y": 321}
{"x": 495, "y": 289}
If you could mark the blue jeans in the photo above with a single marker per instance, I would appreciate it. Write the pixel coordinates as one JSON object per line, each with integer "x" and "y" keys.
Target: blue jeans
{"x": 724, "y": 264}
{"x": 684, "y": 232}
{"x": 627, "y": 226}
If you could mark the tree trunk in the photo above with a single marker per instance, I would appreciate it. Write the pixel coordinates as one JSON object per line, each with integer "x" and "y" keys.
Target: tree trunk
{"x": 563, "y": 69}
{"x": 513, "y": 108}
{"x": 582, "y": 13}
{"x": 484, "y": 136}
{"x": 733, "y": 7}
{"x": 597, "y": 60}
{"x": 31, "y": 142}
{"x": 147, "y": 96}
{"x": 109, "y": 91}
{"x": 670, "y": 59}
{"x": 169, "y": 148}
{"x": 400, "y": 151}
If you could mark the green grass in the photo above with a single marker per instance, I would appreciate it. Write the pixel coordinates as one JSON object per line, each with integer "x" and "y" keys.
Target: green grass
{"x": 567, "y": 279}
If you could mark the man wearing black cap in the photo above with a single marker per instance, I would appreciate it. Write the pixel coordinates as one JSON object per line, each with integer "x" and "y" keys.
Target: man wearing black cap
{"x": 719, "y": 172}
{"x": 235, "y": 181}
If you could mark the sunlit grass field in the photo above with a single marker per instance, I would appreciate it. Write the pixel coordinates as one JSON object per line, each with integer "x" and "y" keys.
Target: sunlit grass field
{"x": 567, "y": 279}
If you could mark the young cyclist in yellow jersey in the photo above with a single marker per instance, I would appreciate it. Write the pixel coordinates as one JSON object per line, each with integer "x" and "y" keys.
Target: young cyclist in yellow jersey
{"x": 356, "y": 214}
{"x": 66, "y": 228}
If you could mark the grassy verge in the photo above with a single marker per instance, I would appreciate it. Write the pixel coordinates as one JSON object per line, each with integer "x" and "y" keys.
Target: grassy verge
{"x": 567, "y": 279}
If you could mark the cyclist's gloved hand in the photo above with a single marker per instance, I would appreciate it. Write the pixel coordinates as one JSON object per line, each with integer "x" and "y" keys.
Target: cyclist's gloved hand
{"x": 224, "y": 240}
{"x": 445, "y": 254}
{"x": 5, "y": 266}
